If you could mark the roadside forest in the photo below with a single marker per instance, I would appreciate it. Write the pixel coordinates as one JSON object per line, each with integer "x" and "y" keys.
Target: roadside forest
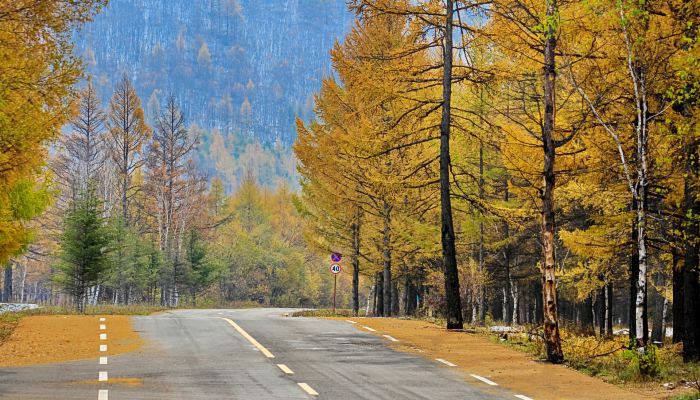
{"x": 531, "y": 162}
{"x": 517, "y": 162}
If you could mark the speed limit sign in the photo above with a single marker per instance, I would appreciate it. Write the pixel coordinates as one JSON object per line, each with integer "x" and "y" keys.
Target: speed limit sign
{"x": 335, "y": 268}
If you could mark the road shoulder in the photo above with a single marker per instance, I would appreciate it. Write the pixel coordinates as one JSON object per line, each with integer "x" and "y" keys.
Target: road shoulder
{"x": 44, "y": 339}
{"x": 477, "y": 357}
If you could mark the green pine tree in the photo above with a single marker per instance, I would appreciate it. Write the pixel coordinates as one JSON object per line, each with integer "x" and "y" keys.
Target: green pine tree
{"x": 85, "y": 242}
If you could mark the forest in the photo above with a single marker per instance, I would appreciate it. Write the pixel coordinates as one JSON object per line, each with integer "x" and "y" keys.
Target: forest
{"x": 513, "y": 161}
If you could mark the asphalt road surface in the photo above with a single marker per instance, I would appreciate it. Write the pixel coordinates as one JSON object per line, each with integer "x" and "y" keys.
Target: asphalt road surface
{"x": 251, "y": 354}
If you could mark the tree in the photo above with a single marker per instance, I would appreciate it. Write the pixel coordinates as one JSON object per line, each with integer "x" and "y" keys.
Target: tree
{"x": 84, "y": 248}
{"x": 37, "y": 72}
{"x": 170, "y": 184}
{"x": 128, "y": 132}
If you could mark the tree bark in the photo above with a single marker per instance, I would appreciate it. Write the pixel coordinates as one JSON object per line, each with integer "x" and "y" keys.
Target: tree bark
{"x": 449, "y": 256}
{"x": 386, "y": 256}
{"x": 691, "y": 287}
{"x": 677, "y": 308}
{"x": 380, "y": 295}
{"x": 7, "y": 285}
{"x": 549, "y": 290}
{"x": 633, "y": 278}
{"x": 609, "y": 310}
{"x": 356, "y": 264}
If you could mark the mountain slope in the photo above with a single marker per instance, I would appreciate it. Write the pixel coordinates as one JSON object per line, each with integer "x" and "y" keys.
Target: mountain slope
{"x": 241, "y": 69}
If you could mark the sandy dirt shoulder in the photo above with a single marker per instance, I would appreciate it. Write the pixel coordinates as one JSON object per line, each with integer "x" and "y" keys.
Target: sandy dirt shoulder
{"x": 55, "y": 338}
{"x": 475, "y": 354}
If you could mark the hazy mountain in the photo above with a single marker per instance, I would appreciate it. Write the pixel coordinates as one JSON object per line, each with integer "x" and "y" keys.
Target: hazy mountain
{"x": 241, "y": 69}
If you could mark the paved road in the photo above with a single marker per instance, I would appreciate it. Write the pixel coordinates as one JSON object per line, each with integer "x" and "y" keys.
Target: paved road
{"x": 198, "y": 354}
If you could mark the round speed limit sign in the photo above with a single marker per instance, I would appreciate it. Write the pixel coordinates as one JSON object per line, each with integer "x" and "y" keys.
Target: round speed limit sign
{"x": 335, "y": 268}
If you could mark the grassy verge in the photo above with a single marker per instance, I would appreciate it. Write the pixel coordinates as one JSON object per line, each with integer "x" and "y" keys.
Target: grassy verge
{"x": 10, "y": 320}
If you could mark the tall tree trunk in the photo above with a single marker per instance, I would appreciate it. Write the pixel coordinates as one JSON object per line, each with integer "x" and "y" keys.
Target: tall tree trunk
{"x": 549, "y": 290}
{"x": 691, "y": 287}
{"x": 633, "y": 278}
{"x": 482, "y": 279}
{"x": 356, "y": 265}
{"x": 657, "y": 328}
{"x": 609, "y": 310}
{"x": 380, "y": 295}
{"x": 7, "y": 286}
{"x": 449, "y": 256}
{"x": 601, "y": 313}
{"x": 677, "y": 308}
{"x": 386, "y": 257}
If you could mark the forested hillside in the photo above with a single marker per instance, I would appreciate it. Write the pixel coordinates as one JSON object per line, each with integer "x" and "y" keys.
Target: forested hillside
{"x": 241, "y": 70}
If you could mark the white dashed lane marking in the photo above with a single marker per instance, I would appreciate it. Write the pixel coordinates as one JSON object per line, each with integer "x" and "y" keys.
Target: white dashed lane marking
{"x": 103, "y": 395}
{"x": 523, "y": 397}
{"x": 103, "y": 327}
{"x": 449, "y": 364}
{"x": 486, "y": 381}
{"x": 103, "y": 319}
{"x": 352, "y": 322}
{"x": 102, "y": 377}
{"x": 393, "y": 339}
{"x": 308, "y": 389}
{"x": 103, "y": 336}
{"x": 103, "y": 360}
{"x": 370, "y": 329}
{"x": 103, "y": 348}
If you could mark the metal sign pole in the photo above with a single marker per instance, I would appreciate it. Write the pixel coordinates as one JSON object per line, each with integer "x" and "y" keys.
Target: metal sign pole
{"x": 335, "y": 284}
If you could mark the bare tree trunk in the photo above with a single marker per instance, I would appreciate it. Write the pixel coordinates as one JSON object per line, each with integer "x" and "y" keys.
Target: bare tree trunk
{"x": 691, "y": 286}
{"x": 356, "y": 264}
{"x": 449, "y": 256}
{"x": 7, "y": 286}
{"x": 677, "y": 308}
{"x": 549, "y": 291}
{"x": 609, "y": 310}
{"x": 379, "y": 305}
{"x": 386, "y": 256}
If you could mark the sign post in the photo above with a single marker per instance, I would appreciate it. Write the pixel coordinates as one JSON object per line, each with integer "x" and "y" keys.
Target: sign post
{"x": 335, "y": 270}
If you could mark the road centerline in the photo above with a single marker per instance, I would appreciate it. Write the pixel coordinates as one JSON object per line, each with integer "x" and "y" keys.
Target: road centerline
{"x": 285, "y": 369}
{"x": 251, "y": 339}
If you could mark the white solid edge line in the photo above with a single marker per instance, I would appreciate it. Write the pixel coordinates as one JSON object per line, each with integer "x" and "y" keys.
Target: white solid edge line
{"x": 103, "y": 347}
{"x": 103, "y": 395}
{"x": 523, "y": 397}
{"x": 393, "y": 339}
{"x": 352, "y": 322}
{"x": 308, "y": 389}
{"x": 449, "y": 364}
{"x": 103, "y": 377}
{"x": 103, "y": 360}
{"x": 103, "y": 319}
{"x": 370, "y": 329}
{"x": 103, "y": 327}
{"x": 285, "y": 369}
{"x": 251, "y": 339}
{"x": 103, "y": 336}
{"x": 486, "y": 381}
